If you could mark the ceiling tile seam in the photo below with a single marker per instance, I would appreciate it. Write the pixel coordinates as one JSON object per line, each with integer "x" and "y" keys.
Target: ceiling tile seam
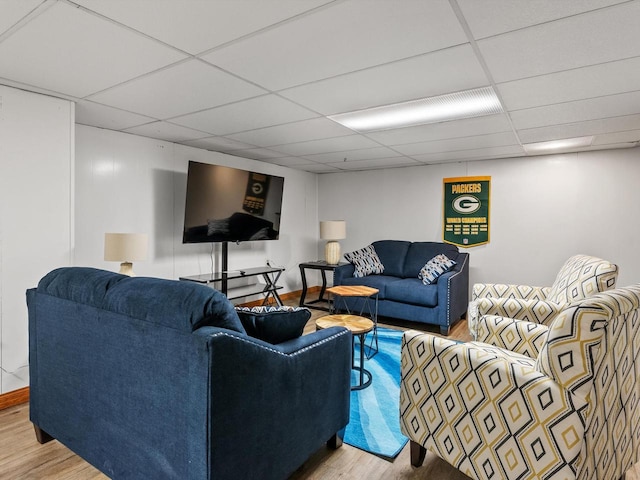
{"x": 317, "y": 140}
{"x": 413, "y": 155}
{"x": 483, "y": 64}
{"x": 452, "y": 139}
{"x": 559, "y": 19}
{"x": 598, "y": 119}
{"x": 581, "y": 67}
{"x": 205, "y": 134}
{"x": 125, "y": 26}
{"x": 33, "y": 14}
{"x": 584, "y": 99}
{"x": 346, "y": 160}
{"x": 122, "y": 110}
{"x": 27, "y": 87}
{"x": 364, "y": 69}
{"x": 272, "y": 26}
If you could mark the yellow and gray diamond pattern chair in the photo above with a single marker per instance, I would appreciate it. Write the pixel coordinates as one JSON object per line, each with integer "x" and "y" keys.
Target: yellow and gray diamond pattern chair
{"x": 537, "y": 402}
{"x": 580, "y": 277}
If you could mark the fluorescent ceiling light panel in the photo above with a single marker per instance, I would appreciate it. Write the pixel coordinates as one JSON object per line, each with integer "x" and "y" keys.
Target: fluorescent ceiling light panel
{"x": 555, "y": 146}
{"x": 443, "y": 108}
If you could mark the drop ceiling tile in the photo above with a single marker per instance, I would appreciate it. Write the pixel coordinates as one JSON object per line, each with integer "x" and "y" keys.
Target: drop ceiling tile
{"x": 259, "y": 112}
{"x": 316, "y": 168}
{"x": 327, "y": 145}
{"x": 96, "y": 115}
{"x": 166, "y": 131}
{"x": 218, "y": 144}
{"x": 517, "y": 14}
{"x": 440, "y": 131}
{"x": 630, "y": 136}
{"x": 477, "y": 154}
{"x": 578, "y": 111}
{"x": 581, "y": 129}
{"x": 76, "y": 53}
{"x": 15, "y": 10}
{"x": 200, "y": 25}
{"x": 445, "y": 71}
{"x": 586, "y": 82}
{"x": 290, "y": 161}
{"x": 375, "y": 163}
{"x": 565, "y": 44}
{"x": 257, "y": 153}
{"x": 361, "y": 154}
{"x": 313, "y": 129}
{"x": 462, "y": 143}
{"x": 344, "y": 37}
{"x": 186, "y": 87}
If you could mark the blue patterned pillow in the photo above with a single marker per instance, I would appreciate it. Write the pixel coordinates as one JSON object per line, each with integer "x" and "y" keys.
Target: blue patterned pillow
{"x": 274, "y": 324}
{"x": 434, "y": 268}
{"x": 365, "y": 261}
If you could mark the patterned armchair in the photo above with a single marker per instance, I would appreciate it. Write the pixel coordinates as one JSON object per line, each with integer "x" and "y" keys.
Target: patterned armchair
{"x": 580, "y": 277}
{"x": 562, "y": 402}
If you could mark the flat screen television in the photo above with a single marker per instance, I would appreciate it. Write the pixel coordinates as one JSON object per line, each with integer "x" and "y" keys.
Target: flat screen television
{"x": 225, "y": 204}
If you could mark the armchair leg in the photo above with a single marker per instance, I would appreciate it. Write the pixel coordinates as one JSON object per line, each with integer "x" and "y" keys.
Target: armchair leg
{"x": 336, "y": 440}
{"x": 444, "y": 331}
{"x": 41, "y": 435}
{"x": 418, "y": 452}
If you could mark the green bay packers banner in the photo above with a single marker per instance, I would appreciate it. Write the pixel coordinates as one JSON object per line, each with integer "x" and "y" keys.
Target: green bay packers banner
{"x": 466, "y": 210}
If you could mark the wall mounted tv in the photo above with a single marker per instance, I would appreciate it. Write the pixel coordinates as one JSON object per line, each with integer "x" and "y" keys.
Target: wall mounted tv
{"x": 227, "y": 204}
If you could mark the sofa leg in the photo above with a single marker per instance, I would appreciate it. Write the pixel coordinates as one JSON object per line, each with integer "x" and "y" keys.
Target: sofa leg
{"x": 418, "y": 452}
{"x": 444, "y": 331}
{"x": 336, "y": 440}
{"x": 41, "y": 435}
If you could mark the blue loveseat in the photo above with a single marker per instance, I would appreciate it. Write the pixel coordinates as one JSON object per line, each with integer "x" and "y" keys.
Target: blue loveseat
{"x": 151, "y": 378}
{"x": 402, "y": 294}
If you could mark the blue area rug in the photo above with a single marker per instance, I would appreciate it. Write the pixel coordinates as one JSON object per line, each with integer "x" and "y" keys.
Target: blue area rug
{"x": 374, "y": 425}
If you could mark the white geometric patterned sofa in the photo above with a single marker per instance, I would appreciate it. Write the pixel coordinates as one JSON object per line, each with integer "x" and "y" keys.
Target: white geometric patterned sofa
{"x": 580, "y": 277}
{"x": 544, "y": 402}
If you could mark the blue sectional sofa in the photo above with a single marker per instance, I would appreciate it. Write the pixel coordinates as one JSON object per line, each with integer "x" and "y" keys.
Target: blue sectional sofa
{"x": 403, "y": 295}
{"x": 151, "y": 378}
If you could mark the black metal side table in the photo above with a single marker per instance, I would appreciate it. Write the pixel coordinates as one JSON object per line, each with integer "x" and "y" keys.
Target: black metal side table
{"x": 324, "y": 267}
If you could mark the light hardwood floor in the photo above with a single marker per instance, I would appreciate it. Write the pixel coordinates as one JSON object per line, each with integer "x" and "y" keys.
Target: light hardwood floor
{"x": 22, "y": 457}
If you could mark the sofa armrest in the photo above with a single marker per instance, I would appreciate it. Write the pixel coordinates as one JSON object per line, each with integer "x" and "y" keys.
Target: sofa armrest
{"x": 504, "y": 290}
{"x": 285, "y": 401}
{"x": 520, "y": 336}
{"x": 342, "y": 272}
{"x": 453, "y": 293}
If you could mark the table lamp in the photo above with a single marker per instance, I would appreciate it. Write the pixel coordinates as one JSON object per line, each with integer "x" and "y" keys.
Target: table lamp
{"x": 125, "y": 248}
{"x": 333, "y": 230}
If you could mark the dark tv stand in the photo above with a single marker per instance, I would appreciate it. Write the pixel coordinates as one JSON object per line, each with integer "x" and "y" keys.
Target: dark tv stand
{"x": 269, "y": 288}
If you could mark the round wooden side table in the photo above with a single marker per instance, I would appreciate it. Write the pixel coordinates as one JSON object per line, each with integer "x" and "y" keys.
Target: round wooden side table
{"x": 359, "y": 327}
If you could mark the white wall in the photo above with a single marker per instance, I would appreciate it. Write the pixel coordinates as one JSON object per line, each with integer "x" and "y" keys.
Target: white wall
{"x": 543, "y": 210}
{"x": 127, "y": 183}
{"x": 36, "y": 168}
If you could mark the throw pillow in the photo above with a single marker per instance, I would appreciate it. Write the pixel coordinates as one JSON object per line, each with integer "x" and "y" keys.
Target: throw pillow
{"x": 365, "y": 261}
{"x": 274, "y": 324}
{"x": 434, "y": 268}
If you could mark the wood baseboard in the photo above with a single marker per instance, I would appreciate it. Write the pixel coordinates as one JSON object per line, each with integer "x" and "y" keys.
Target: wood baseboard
{"x": 16, "y": 397}
{"x": 284, "y": 297}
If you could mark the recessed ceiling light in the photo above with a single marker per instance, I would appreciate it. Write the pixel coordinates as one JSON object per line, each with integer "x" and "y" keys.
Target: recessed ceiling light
{"x": 452, "y": 106}
{"x": 555, "y": 146}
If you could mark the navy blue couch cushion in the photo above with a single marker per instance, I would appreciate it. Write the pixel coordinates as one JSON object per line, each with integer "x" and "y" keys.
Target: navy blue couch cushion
{"x": 79, "y": 284}
{"x": 421, "y": 252}
{"x": 392, "y": 254}
{"x": 274, "y": 324}
{"x": 412, "y": 290}
{"x": 381, "y": 282}
{"x": 181, "y": 305}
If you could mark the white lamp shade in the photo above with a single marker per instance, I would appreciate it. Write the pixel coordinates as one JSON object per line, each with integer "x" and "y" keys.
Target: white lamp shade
{"x": 125, "y": 247}
{"x": 333, "y": 230}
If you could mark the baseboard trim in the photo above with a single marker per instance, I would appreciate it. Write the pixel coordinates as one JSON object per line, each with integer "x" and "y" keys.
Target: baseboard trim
{"x": 15, "y": 397}
{"x": 284, "y": 297}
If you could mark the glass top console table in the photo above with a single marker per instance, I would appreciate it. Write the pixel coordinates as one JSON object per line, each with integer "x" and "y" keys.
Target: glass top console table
{"x": 269, "y": 288}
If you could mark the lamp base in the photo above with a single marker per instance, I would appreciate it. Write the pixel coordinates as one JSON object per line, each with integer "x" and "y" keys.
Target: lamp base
{"x": 332, "y": 252}
{"x": 126, "y": 268}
